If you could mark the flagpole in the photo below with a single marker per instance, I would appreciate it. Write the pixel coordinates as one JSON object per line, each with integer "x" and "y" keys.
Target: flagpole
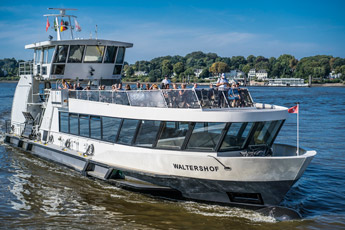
{"x": 297, "y": 128}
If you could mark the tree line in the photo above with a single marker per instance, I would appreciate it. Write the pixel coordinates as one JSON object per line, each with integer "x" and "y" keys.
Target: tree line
{"x": 182, "y": 68}
{"x": 285, "y": 66}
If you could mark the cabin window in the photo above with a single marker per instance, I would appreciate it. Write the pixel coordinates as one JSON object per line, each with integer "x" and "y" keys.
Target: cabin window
{"x": 84, "y": 128}
{"x": 236, "y": 136}
{"x": 58, "y": 69}
{"x": 147, "y": 133}
{"x": 64, "y": 122}
{"x": 49, "y": 55}
{"x": 117, "y": 69}
{"x": 73, "y": 124}
{"x": 205, "y": 136}
{"x": 110, "y": 54}
{"x": 95, "y": 125}
{"x": 120, "y": 55}
{"x": 110, "y": 127}
{"x": 94, "y": 54}
{"x": 265, "y": 133}
{"x": 127, "y": 131}
{"x": 75, "y": 54}
{"x": 172, "y": 135}
{"x": 61, "y": 54}
{"x": 38, "y": 56}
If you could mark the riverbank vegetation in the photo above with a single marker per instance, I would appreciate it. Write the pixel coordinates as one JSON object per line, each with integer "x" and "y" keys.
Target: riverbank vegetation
{"x": 206, "y": 65}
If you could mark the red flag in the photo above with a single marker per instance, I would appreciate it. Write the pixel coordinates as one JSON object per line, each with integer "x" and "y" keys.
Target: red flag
{"x": 47, "y": 25}
{"x": 62, "y": 28}
{"x": 293, "y": 109}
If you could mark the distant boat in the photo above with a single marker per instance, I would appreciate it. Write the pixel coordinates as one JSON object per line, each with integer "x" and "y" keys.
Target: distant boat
{"x": 293, "y": 82}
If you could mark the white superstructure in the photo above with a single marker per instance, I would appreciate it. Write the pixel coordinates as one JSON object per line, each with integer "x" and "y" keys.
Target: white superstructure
{"x": 209, "y": 144}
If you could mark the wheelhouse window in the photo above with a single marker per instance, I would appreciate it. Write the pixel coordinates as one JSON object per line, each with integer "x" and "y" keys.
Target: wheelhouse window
{"x": 110, "y": 54}
{"x": 76, "y": 54}
{"x": 49, "y": 55}
{"x": 61, "y": 54}
{"x": 94, "y": 54}
{"x": 58, "y": 69}
{"x": 127, "y": 131}
{"x": 64, "y": 127}
{"x": 117, "y": 69}
{"x": 120, "y": 55}
{"x": 236, "y": 136}
{"x": 73, "y": 124}
{"x": 84, "y": 125}
{"x": 265, "y": 133}
{"x": 38, "y": 56}
{"x": 172, "y": 135}
{"x": 205, "y": 136}
{"x": 110, "y": 127}
{"x": 147, "y": 133}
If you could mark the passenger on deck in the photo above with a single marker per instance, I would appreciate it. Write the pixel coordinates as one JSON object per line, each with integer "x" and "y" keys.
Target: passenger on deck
{"x": 139, "y": 86}
{"x": 195, "y": 85}
{"x": 147, "y": 86}
{"x": 87, "y": 88}
{"x": 127, "y": 87}
{"x": 64, "y": 84}
{"x": 166, "y": 80}
{"x": 120, "y": 87}
{"x": 234, "y": 96}
{"x": 79, "y": 87}
{"x": 167, "y": 86}
{"x": 222, "y": 84}
{"x": 183, "y": 97}
{"x": 175, "y": 86}
{"x": 162, "y": 86}
{"x": 154, "y": 87}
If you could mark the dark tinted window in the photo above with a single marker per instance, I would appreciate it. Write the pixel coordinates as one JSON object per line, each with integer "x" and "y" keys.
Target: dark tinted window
{"x": 173, "y": 135}
{"x": 110, "y": 127}
{"x": 147, "y": 133}
{"x": 95, "y": 122}
{"x": 110, "y": 54}
{"x": 127, "y": 131}
{"x": 64, "y": 122}
{"x": 265, "y": 132}
{"x": 117, "y": 69}
{"x": 75, "y": 54}
{"x": 120, "y": 55}
{"x": 58, "y": 69}
{"x": 84, "y": 125}
{"x": 205, "y": 136}
{"x": 61, "y": 54}
{"x": 236, "y": 136}
{"x": 73, "y": 124}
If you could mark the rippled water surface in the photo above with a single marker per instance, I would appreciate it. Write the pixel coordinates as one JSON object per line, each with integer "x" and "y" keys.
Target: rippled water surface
{"x": 35, "y": 193}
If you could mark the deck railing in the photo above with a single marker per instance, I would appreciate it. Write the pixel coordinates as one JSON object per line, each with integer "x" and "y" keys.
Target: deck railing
{"x": 25, "y": 68}
{"x": 169, "y": 98}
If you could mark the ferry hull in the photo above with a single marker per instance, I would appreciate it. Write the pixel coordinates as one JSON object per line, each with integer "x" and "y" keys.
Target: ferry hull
{"x": 253, "y": 194}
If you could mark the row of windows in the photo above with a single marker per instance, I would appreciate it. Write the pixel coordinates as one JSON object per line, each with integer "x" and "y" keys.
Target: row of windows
{"x": 204, "y": 136}
{"x": 81, "y": 53}
{"x": 89, "y": 54}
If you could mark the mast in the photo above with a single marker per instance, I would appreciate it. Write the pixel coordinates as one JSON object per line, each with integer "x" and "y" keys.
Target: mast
{"x": 62, "y": 15}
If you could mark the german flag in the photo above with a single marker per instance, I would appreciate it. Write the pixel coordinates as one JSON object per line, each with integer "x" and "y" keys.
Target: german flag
{"x": 62, "y": 27}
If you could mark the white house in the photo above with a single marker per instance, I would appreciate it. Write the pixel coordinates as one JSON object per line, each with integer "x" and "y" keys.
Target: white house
{"x": 251, "y": 74}
{"x": 197, "y": 72}
{"x": 333, "y": 75}
{"x": 261, "y": 74}
{"x": 140, "y": 73}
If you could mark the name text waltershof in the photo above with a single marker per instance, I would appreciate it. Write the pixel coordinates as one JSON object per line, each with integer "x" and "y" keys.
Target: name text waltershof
{"x": 196, "y": 168}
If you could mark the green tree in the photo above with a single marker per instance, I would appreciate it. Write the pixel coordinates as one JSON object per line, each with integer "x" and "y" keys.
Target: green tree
{"x": 178, "y": 68}
{"x": 167, "y": 68}
{"x": 219, "y": 67}
{"x": 205, "y": 73}
{"x": 129, "y": 71}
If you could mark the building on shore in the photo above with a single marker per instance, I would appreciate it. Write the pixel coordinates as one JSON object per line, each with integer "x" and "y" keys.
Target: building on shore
{"x": 262, "y": 74}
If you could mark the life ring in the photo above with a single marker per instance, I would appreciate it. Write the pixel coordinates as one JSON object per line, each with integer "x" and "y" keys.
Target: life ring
{"x": 90, "y": 149}
{"x": 68, "y": 143}
{"x": 51, "y": 139}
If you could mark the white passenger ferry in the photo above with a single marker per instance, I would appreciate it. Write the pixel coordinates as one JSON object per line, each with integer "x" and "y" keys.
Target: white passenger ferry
{"x": 196, "y": 142}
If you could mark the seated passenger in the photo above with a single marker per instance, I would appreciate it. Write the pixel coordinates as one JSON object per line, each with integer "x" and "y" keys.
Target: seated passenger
{"x": 64, "y": 84}
{"x": 154, "y": 87}
{"x": 147, "y": 86}
{"x": 234, "y": 96}
{"x": 79, "y": 87}
{"x": 128, "y": 87}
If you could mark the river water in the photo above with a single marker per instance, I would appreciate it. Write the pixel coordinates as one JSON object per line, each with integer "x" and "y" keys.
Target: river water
{"x": 35, "y": 193}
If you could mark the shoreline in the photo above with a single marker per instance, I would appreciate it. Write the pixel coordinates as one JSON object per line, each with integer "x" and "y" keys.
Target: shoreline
{"x": 257, "y": 85}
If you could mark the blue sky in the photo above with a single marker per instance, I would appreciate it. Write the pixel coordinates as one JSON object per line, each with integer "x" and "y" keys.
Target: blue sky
{"x": 159, "y": 28}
